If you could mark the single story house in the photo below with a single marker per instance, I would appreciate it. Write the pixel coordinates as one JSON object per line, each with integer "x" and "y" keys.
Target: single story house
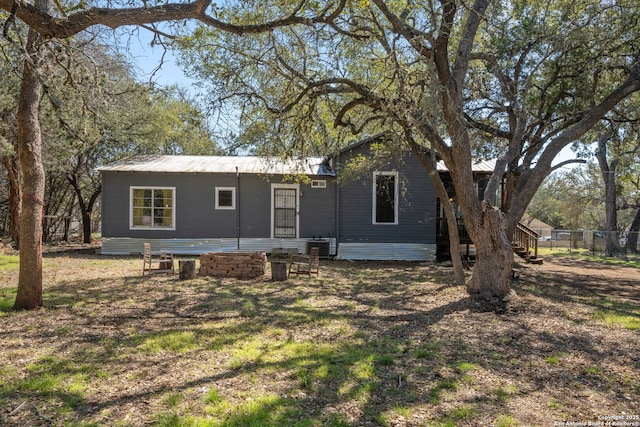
{"x": 198, "y": 204}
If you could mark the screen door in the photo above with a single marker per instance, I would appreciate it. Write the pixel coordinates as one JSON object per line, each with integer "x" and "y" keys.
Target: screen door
{"x": 284, "y": 212}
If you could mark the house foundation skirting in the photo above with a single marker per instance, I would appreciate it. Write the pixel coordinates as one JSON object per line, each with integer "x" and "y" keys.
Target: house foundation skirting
{"x": 352, "y": 251}
{"x": 129, "y": 245}
{"x": 387, "y": 251}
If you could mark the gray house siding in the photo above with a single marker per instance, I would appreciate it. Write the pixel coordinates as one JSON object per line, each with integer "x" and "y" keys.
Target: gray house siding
{"x": 194, "y": 205}
{"x": 416, "y": 216}
{"x": 414, "y": 235}
{"x": 254, "y": 205}
{"x": 318, "y": 211}
{"x": 195, "y": 214}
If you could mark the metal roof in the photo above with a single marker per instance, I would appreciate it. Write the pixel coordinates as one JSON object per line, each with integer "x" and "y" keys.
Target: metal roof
{"x": 219, "y": 164}
{"x": 476, "y": 166}
{"x": 242, "y": 164}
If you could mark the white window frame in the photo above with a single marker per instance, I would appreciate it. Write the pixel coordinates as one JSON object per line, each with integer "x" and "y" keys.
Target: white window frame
{"x": 395, "y": 197}
{"x": 273, "y": 219}
{"x": 319, "y": 183}
{"x": 233, "y": 198}
{"x": 151, "y": 226}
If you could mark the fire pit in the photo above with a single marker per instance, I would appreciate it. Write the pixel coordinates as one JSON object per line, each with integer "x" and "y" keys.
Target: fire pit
{"x": 239, "y": 265}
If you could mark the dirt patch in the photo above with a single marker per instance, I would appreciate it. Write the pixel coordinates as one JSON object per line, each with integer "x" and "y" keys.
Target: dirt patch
{"x": 364, "y": 344}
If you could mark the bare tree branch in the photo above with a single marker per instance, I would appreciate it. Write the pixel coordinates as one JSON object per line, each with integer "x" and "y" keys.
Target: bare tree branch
{"x": 463, "y": 54}
{"x": 54, "y": 27}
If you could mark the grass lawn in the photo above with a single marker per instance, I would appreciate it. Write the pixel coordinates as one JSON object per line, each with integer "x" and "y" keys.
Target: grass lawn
{"x": 624, "y": 259}
{"x": 364, "y": 344}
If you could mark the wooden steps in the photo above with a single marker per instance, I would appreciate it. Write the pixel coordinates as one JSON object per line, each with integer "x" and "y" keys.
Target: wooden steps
{"x": 525, "y": 244}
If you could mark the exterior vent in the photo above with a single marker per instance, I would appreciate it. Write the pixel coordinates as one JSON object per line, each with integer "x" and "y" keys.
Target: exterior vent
{"x": 318, "y": 183}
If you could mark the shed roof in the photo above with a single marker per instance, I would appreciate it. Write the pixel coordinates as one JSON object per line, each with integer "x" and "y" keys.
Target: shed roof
{"x": 536, "y": 224}
{"x": 219, "y": 164}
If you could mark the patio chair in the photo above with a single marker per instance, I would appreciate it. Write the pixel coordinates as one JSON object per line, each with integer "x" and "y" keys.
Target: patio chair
{"x": 305, "y": 264}
{"x": 163, "y": 262}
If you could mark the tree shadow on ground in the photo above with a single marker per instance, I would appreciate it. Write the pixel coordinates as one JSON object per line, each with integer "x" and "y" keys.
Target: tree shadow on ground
{"x": 356, "y": 346}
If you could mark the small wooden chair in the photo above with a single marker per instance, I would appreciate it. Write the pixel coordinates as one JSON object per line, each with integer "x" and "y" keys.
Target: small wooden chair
{"x": 164, "y": 262}
{"x": 305, "y": 264}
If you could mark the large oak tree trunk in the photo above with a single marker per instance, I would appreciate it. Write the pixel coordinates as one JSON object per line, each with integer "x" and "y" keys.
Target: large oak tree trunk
{"x": 29, "y": 294}
{"x": 494, "y": 256}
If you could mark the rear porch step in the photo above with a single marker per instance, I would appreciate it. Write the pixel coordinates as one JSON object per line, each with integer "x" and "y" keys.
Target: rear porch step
{"x": 531, "y": 259}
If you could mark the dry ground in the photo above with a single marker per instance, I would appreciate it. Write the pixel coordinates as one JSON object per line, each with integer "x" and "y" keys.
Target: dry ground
{"x": 365, "y": 344}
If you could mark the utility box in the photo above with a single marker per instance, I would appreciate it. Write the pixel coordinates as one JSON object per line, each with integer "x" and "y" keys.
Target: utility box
{"x": 322, "y": 245}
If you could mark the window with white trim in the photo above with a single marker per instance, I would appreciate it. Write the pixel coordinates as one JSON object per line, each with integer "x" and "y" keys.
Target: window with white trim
{"x": 153, "y": 208}
{"x": 225, "y": 198}
{"x": 385, "y": 198}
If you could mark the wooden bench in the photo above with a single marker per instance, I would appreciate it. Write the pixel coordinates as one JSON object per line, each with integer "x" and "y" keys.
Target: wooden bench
{"x": 305, "y": 264}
